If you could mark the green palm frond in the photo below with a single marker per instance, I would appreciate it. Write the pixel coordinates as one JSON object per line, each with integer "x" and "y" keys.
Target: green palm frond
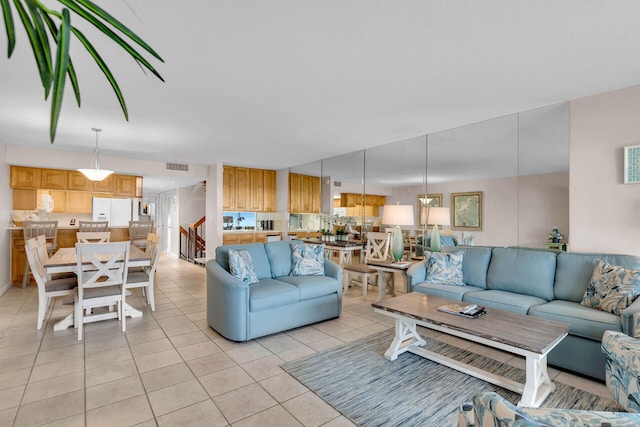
{"x": 46, "y": 28}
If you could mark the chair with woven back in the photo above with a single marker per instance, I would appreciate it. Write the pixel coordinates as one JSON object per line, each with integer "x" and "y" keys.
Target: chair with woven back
{"x": 377, "y": 249}
{"x": 84, "y": 226}
{"x": 138, "y": 231}
{"x": 31, "y": 230}
{"x": 144, "y": 278}
{"x": 47, "y": 288}
{"x": 93, "y": 236}
{"x": 102, "y": 273}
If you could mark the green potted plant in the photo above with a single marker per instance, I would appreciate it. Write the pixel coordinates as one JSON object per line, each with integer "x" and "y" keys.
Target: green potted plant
{"x": 341, "y": 235}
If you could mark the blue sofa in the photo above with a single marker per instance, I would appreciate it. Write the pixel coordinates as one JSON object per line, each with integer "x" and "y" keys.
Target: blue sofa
{"x": 445, "y": 240}
{"x": 540, "y": 283}
{"x": 277, "y": 302}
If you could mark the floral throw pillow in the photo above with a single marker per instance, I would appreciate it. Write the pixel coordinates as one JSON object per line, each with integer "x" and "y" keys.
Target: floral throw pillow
{"x": 444, "y": 268}
{"x": 241, "y": 266}
{"x": 612, "y": 288}
{"x": 307, "y": 260}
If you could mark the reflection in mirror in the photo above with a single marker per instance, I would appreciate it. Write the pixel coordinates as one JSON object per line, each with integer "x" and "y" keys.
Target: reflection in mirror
{"x": 305, "y": 199}
{"x": 343, "y": 177}
{"x": 425, "y": 201}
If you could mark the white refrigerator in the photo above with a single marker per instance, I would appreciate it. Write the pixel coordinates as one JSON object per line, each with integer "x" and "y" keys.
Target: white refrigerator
{"x": 116, "y": 211}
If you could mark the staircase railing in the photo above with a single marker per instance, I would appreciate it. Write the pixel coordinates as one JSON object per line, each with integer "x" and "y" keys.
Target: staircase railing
{"x": 192, "y": 244}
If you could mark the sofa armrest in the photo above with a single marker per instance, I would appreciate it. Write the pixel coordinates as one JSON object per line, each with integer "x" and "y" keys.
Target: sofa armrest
{"x": 227, "y": 302}
{"x": 417, "y": 273}
{"x": 630, "y": 318}
{"x": 331, "y": 269}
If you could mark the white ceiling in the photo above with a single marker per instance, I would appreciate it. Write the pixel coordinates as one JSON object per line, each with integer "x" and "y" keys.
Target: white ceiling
{"x": 279, "y": 83}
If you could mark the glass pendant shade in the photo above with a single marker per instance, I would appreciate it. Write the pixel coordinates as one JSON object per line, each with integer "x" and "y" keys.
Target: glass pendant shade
{"x": 94, "y": 173}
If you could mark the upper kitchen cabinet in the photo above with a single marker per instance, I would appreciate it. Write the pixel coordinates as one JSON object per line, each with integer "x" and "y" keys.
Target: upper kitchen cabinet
{"x": 228, "y": 188}
{"x": 128, "y": 186}
{"x": 79, "y": 202}
{"x": 304, "y": 193}
{"x": 25, "y": 177}
{"x": 53, "y": 179}
{"x": 24, "y": 199}
{"x": 269, "y": 190}
{"x": 105, "y": 186}
{"x": 77, "y": 181}
{"x": 247, "y": 189}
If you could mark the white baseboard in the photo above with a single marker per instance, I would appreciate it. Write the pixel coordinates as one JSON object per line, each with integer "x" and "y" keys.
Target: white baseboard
{"x": 4, "y": 288}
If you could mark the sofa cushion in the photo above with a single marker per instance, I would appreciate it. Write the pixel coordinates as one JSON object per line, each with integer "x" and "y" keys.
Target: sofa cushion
{"x": 313, "y": 286}
{"x": 258, "y": 256}
{"x": 452, "y": 292}
{"x": 279, "y": 254}
{"x": 241, "y": 266}
{"x": 306, "y": 259}
{"x": 585, "y": 322}
{"x": 503, "y": 300}
{"x": 475, "y": 264}
{"x": 522, "y": 271}
{"x": 612, "y": 288}
{"x": 575, "y": 269}
{"x": 269, "y": 293}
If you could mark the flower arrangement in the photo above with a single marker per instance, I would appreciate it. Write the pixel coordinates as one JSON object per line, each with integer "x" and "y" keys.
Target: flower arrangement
{"x": 555, "y": 236}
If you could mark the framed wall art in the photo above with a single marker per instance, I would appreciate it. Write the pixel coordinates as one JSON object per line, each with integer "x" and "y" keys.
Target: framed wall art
{"x": 632, "y": 164}
{"x": 467, "y": 211}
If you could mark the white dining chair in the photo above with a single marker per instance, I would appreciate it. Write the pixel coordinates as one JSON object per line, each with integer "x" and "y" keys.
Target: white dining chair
{"x": 93, "y": 236}
{"x": 31, "y": 230}
{"x": 102, "y": 274}
{"x": 43, "y": 255}
{"x": 47, "y": 288}
{"x": 377, "y": 249}
{"x": 145, "y": 277}
{"x": 138, "y": 231}
{"x": 84, "y": 226}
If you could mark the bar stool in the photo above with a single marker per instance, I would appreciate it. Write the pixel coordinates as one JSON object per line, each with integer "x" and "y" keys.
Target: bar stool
{"x": 33, "y": 229}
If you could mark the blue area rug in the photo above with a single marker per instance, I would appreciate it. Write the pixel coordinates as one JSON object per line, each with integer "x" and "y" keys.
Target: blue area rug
{"x": 360, "y": 383}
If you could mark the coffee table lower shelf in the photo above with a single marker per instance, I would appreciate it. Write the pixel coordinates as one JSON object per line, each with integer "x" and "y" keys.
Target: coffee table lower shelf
{"x": 534, "y": 391}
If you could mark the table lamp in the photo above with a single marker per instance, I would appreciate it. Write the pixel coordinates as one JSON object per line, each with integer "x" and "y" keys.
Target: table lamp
{"x": 397, "y": 215}
{"x": 437, "y": 216}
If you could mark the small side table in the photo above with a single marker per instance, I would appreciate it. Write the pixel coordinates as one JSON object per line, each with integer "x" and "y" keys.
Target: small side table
{"x": 557, "y": 246}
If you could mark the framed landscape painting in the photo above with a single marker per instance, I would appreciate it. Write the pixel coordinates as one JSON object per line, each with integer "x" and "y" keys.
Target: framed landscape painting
{"x": 467, "y": 211}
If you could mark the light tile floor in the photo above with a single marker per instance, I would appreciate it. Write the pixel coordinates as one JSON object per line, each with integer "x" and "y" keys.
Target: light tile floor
{"x": 171, "y": 368}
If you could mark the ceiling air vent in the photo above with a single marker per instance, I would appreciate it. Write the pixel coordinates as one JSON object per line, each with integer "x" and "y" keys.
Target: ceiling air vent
{"x": 177, "y": 167}
{"x": 337, "y": 183}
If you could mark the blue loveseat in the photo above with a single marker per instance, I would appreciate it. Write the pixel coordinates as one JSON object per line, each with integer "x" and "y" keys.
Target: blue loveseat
{"x": 424, "y": 243}
{"x": 540, "y": 283}
{"x": 277, "y": 302}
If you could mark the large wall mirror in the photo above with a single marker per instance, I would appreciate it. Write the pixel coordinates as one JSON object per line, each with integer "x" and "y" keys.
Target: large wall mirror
{"x": 504, "y": 180}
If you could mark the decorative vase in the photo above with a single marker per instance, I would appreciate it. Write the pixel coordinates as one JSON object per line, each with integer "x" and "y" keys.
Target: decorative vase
{"x": 556, "y": 240}
{"x": 435, "y": 239}
{"x": 397, "y": 244}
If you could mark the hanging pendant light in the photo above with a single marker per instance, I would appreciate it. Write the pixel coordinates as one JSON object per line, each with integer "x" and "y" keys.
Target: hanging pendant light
{"x": 95, "y": 173}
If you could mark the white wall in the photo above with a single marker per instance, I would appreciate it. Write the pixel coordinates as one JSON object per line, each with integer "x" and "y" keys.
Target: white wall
{"x": 214, "y": 209}
{"x": 604, "y": 210}
{"x": 5, "y": 215}
{"x": 192, "y": 201}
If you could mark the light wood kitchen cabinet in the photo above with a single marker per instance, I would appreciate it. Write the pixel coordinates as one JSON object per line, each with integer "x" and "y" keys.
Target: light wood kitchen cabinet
{"x": 77, "y": 181}
{"x": 24, "y": 199}
{"x": 269, "y": 190}
{"x": 228, "y": 188}
{"x": 295, "y": 193}
{"x": 25, "y": 177}
{"x": 53, "y": 179}
{"x": 126, "y": 186}
{"x": 79, "y": 202}
{"x": 104, "y": 186}
{"x": 304, "y": 193}
{"x": 243, "y": 189}
{"x": 257, "y": 190}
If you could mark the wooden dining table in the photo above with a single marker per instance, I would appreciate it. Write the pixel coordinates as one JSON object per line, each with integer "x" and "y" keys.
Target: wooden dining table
{"x": 65, "y": 260}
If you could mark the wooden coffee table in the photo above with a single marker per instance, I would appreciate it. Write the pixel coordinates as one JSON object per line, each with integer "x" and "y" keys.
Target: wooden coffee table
{"x": 528, "y": 336}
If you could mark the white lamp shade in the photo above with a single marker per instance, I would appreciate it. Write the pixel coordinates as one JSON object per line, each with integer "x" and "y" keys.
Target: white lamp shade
{"x": 438, "y": 216}
{"x": 95, "y": 174}
{"x": 397, "y": 215}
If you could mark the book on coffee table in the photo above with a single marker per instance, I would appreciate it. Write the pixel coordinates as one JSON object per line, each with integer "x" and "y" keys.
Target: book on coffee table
{"x": 470, "y": 310}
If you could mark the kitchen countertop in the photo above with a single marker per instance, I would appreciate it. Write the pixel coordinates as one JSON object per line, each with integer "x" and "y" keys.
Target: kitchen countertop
{"x": 67, "y": 227}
